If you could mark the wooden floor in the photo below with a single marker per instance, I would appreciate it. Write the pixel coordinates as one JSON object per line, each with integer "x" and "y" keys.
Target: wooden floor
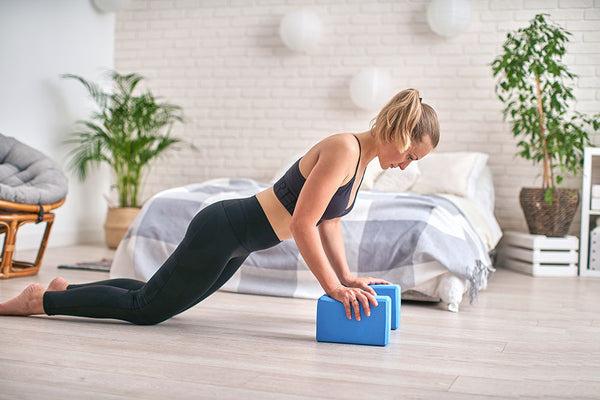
{"x": 524, "y": 337}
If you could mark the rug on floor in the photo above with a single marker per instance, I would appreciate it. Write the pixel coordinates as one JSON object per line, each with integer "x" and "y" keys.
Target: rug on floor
{"x": 102, "y": 265}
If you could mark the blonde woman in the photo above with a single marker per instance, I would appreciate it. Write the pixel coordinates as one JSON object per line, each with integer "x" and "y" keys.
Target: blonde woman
{"x": 306, "y": 204}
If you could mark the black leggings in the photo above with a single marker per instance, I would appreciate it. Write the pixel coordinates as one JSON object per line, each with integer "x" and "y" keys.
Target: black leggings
{"x": 217, "y": 242}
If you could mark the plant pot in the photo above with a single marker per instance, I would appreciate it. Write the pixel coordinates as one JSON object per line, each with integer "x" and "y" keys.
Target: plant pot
{"x": 117, "y": 223}
{"x": 549, "y": 219}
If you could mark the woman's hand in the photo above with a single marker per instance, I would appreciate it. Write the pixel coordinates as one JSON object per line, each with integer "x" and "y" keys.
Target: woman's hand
{"x": 352, "y": 297}
{"x": 364, "y": 282}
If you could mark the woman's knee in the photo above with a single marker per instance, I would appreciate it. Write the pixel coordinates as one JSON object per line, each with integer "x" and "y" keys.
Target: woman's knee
{"x": 146, "y": 312}
{"x": 143, "y": 318}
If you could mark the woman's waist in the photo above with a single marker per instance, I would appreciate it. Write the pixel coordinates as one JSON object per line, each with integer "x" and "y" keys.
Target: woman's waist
{"x": 250, "y": 224}
{"x": 278, "y": 216}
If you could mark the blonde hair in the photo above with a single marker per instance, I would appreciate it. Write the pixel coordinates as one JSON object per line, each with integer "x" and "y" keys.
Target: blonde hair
{"x": 405, "y": 119}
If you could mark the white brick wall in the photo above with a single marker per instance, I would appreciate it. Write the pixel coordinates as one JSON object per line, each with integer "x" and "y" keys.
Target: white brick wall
{"x": 250, "y": 103}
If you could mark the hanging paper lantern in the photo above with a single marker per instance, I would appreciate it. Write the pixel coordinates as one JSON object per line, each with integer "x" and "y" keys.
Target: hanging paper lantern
{"x": 301, "y": 30}
{"x": 370, "y": 89}
{"x": 449, "y": 17}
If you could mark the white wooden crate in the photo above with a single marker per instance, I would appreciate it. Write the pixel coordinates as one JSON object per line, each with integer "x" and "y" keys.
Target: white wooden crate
{"x": 539, "y": 255}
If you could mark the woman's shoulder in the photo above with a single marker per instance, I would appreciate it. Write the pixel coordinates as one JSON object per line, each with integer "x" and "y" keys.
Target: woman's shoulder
{"x": 339, "y": 148}
{"x": 342, "y": 144}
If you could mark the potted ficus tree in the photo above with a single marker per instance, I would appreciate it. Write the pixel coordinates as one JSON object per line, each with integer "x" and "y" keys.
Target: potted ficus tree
{"x": 127, "y": 132}
{"x": 533, "y": 83}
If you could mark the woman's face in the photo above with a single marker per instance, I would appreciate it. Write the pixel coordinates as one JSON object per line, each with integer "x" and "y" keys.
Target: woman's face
{"x": 390, "y": 157}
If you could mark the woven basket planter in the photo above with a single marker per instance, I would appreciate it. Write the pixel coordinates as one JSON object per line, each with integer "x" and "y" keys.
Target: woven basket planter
{"x": 117, "y": 224}
{"x": 549, "y": 219}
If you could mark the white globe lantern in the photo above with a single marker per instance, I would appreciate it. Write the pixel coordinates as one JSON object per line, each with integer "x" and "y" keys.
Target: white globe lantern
{"x": 301, "y": 30}
{"x": 370, "y": 89}
{"x": 449, "y": 17}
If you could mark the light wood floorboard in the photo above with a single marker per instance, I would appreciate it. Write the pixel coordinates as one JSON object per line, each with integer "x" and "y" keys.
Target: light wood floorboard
{"x": 524, "y": 337}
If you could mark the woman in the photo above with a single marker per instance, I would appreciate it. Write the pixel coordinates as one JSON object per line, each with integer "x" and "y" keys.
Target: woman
{"x": 315, "y": 192}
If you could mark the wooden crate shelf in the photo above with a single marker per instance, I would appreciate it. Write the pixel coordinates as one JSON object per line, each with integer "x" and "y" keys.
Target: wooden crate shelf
{"x": 539, "y": 255}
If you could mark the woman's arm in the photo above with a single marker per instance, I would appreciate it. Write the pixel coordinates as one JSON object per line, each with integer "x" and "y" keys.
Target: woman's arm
{"x": 332, "y": 239}
{"x": 330, "y": 170}
{"x": 333, "y": 244}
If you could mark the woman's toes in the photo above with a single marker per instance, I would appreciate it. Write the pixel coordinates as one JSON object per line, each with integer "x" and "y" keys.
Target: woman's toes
{"x": 58, "y": 284}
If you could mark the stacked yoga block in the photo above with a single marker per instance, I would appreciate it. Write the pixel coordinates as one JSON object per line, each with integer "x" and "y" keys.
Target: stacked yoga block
{"x": 334, "y": 326}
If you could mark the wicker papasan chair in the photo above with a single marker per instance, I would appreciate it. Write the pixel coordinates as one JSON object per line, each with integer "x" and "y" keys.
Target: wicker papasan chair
{"x": 31, "y": 185}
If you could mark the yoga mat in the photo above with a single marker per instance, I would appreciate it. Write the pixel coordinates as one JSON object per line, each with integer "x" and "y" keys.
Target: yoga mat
{"x": 102, "y": 265}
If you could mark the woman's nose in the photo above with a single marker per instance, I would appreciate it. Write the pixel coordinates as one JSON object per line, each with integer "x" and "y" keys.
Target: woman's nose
{"x": 404, "y": 164}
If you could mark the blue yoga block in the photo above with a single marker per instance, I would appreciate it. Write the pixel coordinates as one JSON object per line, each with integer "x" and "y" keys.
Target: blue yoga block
{"x": 334, "y": 326}
{"x": 393, "y": 292}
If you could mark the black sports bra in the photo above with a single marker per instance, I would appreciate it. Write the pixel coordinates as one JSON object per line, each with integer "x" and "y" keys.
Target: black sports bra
{"x": 288, "y": 187}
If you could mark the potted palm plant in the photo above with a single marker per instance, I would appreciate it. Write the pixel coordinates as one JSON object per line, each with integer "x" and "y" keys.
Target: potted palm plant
{"x": 533, "y": 83}
{"x": 127, "y": 132}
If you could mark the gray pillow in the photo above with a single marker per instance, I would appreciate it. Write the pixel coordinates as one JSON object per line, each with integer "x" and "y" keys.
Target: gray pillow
{"x": 27, "y": 176}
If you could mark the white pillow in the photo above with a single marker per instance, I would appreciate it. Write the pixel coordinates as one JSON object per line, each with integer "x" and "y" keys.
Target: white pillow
{"x": 484, "y": 191}
{"x": 454, "y": 173}
{"x": 397, "y": 180}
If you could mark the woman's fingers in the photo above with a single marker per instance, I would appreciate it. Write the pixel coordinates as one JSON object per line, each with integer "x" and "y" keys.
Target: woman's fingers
{"x": 352, "y": 300}
{"x": 356, "y": 307}
{"x": 352, "y": 303}
{"x": 376, "y": 281}
{"x": 372, "y": 299}
{"x": 347, "y": 308}
{"x": 370, "y": 290}
{"x": 370, "y": 293}
{"x": 365, "y": 298}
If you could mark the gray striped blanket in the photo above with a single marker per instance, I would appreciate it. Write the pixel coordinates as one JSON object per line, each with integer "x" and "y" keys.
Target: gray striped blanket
{"x": 405, "y": 238}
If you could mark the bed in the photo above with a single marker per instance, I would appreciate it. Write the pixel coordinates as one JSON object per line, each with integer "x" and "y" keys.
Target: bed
{"x": 429, "y": 228}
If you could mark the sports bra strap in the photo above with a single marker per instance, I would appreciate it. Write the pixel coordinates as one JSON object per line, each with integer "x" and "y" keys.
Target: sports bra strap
{"x": 359, "y": 154}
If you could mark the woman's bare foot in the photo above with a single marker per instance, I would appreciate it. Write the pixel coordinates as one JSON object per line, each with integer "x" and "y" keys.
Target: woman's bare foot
{"x": 29, "y": 302}
{"x": 57, "y": 285}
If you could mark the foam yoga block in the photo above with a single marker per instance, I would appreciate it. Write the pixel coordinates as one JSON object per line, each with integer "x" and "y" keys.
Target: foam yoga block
{"x": 393, "y": 291}
{"x": 334, "y": 326}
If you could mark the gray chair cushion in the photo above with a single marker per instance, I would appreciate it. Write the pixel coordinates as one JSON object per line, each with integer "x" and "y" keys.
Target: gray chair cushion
{"x": 27, "y": 176}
